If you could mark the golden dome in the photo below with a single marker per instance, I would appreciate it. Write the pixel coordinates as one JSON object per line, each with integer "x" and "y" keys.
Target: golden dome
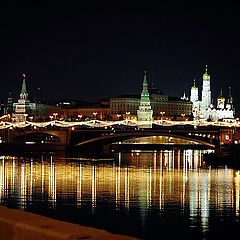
{"x": 194, "y": 88}
{"x": 221, "y": 97}
{"x": 194, "y": 85}
{"x": 206, "y": 75}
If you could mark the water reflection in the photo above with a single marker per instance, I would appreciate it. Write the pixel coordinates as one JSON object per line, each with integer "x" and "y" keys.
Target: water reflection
{"x": 150, "y": 188}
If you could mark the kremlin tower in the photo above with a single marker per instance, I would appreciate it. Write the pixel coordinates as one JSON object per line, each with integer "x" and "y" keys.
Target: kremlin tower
{"x": 22, "y": 107}
{"x": 145, "y": 112}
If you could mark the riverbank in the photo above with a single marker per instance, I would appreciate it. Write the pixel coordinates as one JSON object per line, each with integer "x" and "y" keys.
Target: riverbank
{"x": 20, "y": 225}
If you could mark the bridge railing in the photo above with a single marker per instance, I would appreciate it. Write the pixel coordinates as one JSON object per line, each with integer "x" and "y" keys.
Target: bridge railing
{"x": 106, "y": 124}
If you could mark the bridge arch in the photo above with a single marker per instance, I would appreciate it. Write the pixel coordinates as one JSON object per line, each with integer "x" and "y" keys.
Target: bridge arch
{"x": 37, "y": 137}
{"x": 115, "y": 137}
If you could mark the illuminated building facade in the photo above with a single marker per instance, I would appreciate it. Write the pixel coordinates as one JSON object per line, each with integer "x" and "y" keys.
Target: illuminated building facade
{"x": 81, "y": 110}
{"x": 204, "y": 108}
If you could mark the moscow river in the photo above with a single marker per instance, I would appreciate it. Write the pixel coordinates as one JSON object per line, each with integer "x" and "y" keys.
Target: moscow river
{"x": 164, "y": 194}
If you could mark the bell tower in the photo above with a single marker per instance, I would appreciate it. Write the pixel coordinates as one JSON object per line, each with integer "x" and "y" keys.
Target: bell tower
{"x": 206, "y": 90}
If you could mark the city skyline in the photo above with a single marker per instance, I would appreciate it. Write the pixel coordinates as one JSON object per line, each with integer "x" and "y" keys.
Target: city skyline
{"x": 91, "y": 50}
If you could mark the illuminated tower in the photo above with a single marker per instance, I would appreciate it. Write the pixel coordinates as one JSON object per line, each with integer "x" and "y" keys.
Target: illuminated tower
{"x": 194, "y": 99}
{"x": 9, "y": 107}
{"x": 194, "y": 93}
{"x": 206, "y": 91}
{"x": 221, "y": 101}
{"x": 229, "y": 104}
{"x": 145, "y": 113}
{"x": 22, "y": 107}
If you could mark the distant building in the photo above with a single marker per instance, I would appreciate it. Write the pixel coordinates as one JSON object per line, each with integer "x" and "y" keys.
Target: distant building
{"x": 205, "y": 109}
{"x": 163, "y": 107}
{"x": 75, "y": 110}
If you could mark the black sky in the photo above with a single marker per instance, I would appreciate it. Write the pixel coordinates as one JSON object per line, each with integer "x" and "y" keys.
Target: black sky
{"x": 92, "y": 49}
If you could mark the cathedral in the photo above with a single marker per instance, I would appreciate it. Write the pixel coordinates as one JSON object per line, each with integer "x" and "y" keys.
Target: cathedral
{"x": 204, "y": 109}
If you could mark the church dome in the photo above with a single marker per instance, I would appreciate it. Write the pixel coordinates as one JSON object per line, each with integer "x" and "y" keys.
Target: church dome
{"x": 194, "y": 85}
{"x": 221, "y": 97}
{"x": 206, "y": 75}
{"x": 194, "y": 88}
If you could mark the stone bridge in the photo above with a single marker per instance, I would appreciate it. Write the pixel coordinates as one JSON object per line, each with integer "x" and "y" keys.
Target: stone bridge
{"x": 78, "y": 137}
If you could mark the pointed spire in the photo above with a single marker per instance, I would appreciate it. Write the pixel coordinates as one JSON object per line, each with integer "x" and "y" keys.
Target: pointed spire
{"x": 24, "y": 87}
{"x": 221, "y": 95}
{"x": 145, "y": 112}
{"x": 230, "y": 95}
{"x": 145, "y": 78}
{"x": 206, "y": 75}
{"x": 184, "y": 95}
{"x": 229, "y": 90}
{"x": 24, "y": 94}
{"x": 194, "y": 85}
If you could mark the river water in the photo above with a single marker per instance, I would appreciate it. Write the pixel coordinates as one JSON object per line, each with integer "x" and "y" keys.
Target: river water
{"x": 167, "y": 194}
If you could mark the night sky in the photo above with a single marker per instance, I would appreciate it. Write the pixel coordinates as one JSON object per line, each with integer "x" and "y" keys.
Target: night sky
{"x": 87, "y": 50}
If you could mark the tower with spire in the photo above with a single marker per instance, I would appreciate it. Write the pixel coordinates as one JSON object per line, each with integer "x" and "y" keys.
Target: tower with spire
{"x": 229, "y": 104}
{"x": 9, "y": 106}
{"x": 194, "y": 93}
{"x": 221, "y": 100}
{"x": 206, "y": 90}
{"x": 22, "y": 107}
{"x": 145, "y": 112}
{"x": 194, "y": 98}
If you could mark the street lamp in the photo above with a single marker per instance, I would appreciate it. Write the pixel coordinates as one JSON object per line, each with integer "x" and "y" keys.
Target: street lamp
{"x": 118, "y": 116}
{"x": 55, "y": 115}
{"x": 183, "y": 115}
{"x": 95, "y": 115}
{"x": 80, "y": 116}
{"x": 51, "y": 117}
{"x": 127, "y": 114}
{"x": 162, "y": 113}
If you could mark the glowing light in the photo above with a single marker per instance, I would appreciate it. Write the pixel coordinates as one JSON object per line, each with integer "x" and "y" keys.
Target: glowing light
{"x": 105, "y": 124}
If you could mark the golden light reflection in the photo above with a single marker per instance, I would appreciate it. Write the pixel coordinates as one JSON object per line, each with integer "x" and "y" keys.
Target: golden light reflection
{"x": 139, "y": 179}
{"x": 237, "y": 186}
{"x": 52, "y": 184}
{"x": 94, "y": 193}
